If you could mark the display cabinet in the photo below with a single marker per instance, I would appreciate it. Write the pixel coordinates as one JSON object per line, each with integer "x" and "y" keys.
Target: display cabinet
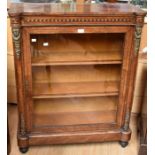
{"x": 75, "y": 70}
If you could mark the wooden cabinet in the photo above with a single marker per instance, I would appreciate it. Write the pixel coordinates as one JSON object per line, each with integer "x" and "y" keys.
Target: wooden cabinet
{"x": 75, "y": 71}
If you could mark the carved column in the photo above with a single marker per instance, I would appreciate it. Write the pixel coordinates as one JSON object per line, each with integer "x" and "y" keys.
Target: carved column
{"x": 17, "y": 37}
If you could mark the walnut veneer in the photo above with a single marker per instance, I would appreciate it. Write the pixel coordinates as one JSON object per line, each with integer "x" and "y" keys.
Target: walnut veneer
{"x": 75, "y": 71}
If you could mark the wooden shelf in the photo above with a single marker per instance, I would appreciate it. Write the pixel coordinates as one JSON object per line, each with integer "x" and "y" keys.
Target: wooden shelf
{"x": 75, "y": 95}
{"x": 76, "y": 63}
{"x": 78, "y": 58}
{"x": 73, "y": 89}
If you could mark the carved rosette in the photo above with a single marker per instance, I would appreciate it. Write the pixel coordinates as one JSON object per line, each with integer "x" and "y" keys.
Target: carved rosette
{"x": 16, "y": 33}
{"x": 138, "y": 32}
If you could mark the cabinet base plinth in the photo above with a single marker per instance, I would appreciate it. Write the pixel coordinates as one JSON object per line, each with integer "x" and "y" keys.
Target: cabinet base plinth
{"x": 76, "y": 137}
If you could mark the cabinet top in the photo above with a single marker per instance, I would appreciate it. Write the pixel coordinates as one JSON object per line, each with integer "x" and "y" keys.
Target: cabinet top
{"x": 74, "y": 9}
{"x": 46, "y": 14}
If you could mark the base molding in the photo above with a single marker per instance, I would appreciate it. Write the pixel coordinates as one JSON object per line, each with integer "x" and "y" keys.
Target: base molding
{"x": 76, "y": 137}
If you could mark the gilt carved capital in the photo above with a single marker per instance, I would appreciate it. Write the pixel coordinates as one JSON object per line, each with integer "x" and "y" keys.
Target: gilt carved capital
{"x": 16, "y": 34}
{"x": 138, "y": 31}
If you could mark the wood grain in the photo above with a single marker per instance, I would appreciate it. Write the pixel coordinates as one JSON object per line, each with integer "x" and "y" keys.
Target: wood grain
{"x": 70, "y": 80}
{"x": 83, "y": 9}
{"x": 45, "y": 106}
{"x": 75, "y": 88}
{"x": 74, "y": 111}
{"x": 80, "y": 48}
{"x": 95, "y": 19}
{"x": 73, "y": 118}
{"x": 76, "y": 73}
{"x": 12, "y": 87}
{"x": 107, "y": 148}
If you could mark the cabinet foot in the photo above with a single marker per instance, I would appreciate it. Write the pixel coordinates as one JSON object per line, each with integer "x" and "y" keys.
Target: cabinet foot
{"x": 123, "y": 144}
{"x": 23, "y": 149}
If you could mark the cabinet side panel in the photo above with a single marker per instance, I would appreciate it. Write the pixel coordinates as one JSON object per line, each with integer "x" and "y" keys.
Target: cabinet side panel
{"x": 125, "y": 79}
{"x": 132, "y": 73}
{"x": 28, "y": 79}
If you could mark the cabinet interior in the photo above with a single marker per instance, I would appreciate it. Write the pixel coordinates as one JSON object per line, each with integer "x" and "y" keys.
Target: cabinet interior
{"x": 55, "y": 49}
{"x": 75, "y": 78}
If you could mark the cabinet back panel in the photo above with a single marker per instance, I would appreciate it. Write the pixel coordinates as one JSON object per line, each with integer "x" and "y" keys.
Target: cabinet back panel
{"x": 87, "y": 73}
{"x": 69, "y": 111}
{"x": 74, "y": 118}
{"x": 65, "y": 80}
{"x": 76, "y": 47}
{"x": 45, "y": 106}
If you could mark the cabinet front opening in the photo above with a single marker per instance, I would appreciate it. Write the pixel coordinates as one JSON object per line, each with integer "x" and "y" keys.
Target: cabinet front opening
{"x": 76, "y": 78}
